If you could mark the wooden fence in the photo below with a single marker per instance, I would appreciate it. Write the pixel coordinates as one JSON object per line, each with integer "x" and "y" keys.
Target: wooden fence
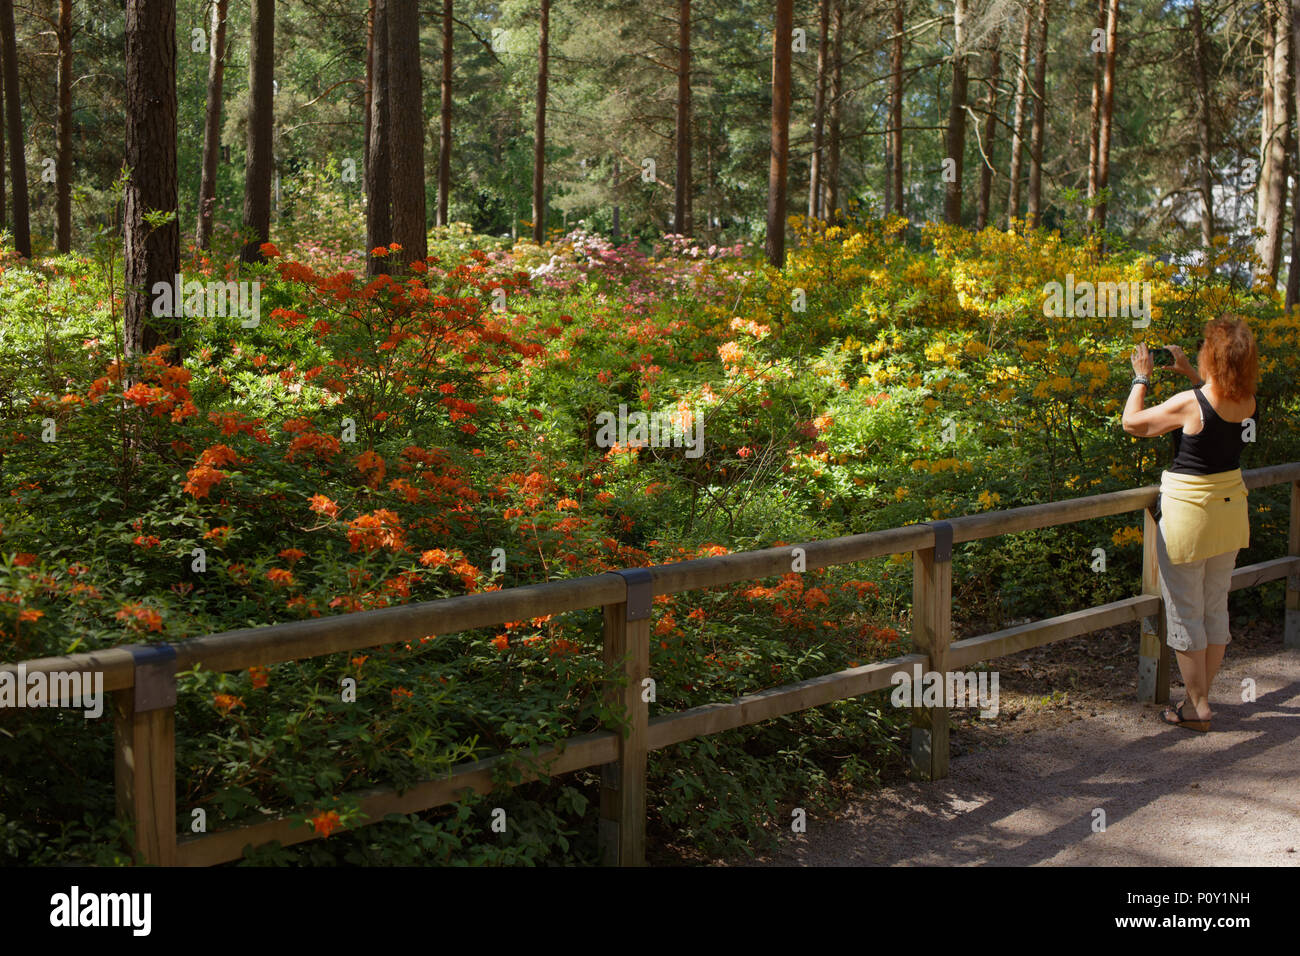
{"x": 143, "y": 679}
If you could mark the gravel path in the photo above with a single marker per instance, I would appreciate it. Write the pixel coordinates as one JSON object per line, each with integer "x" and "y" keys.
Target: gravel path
{"x": 1171, "y": 797}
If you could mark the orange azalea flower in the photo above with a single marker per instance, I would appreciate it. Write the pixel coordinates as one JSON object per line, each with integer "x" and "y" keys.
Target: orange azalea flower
{"x": 219, "y": 456}
{"x": 435, "y": 558}
{"x": 560, "y": 647}
{"x": 372, "y": 466}
{"x": 300, "y": 602}
{"x": 268, "y": 250}
{"x": 140, "y": 617}
{"x": 280, "y": 577}
{"x": 321, "y": 445}
{"x": 143, "y": 394}
{"x": 261, "y": 677}
{"x": 322, "y": 505}
{"x": 201, "y": 479}
{"x": 379, "y": 529}
{"x": 292, "y": 555}
{"x": 226, "y": 702}
{"x": 815, "y": 596}
{"x": 326, "y": 823}
{"x": 379, "y": 252}
{"x": 30, "y": 615}
{"x": 221, "y": 532}
{"x": 501, "y": 642}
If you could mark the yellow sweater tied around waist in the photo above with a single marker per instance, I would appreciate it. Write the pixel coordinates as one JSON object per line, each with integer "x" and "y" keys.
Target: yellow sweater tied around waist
{"x": 1203, "y": 515}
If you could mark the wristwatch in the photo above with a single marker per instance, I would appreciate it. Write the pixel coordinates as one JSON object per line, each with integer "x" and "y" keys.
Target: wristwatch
{"x": 1140, "y": 380}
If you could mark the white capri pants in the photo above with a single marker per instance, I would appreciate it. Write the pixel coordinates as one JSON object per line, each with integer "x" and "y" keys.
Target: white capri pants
{"x": 1196, "y": 597}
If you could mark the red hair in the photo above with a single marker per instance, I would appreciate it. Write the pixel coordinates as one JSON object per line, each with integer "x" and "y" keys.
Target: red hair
{"x": 1229, "y": 357}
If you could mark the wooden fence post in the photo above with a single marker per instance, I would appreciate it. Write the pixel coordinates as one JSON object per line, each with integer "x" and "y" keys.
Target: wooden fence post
{"x": 622, "y": 783}
{"x": 1291, "y": 634}
{"x": 1153, "y": 650}
{"x": 144, "y": 768}
{"x": 931, "y": 635}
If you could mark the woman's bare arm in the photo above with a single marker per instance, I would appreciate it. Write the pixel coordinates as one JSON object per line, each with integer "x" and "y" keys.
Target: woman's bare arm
{"x": 1163, "y": 418}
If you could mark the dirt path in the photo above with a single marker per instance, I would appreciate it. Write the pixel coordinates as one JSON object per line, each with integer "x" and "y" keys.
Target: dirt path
{"x": 1171, "y": 797}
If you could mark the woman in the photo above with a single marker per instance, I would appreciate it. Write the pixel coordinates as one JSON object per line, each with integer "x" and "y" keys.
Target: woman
{"x": 1202, "y": 514}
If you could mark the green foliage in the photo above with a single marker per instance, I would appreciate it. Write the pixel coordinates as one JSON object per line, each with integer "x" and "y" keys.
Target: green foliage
{"x": 921, "y": 381}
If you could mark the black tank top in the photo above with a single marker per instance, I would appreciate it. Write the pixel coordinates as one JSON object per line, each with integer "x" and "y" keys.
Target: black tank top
{"x": 1215, "y": 448}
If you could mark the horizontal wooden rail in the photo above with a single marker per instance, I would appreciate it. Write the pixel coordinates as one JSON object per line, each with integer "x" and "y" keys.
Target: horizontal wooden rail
{"x": 277, "y": 643}
{"x": 144, "y": 710}
{"x": 576, "y": 753}
{"x": 986, "y": 647}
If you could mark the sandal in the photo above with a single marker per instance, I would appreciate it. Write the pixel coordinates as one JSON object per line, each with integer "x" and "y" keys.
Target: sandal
{"x": 1200, "y": 726}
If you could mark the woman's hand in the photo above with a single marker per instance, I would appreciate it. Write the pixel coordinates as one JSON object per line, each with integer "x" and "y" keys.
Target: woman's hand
{"x": 1181, "y": 362}
{"x": 1142, "y": 361}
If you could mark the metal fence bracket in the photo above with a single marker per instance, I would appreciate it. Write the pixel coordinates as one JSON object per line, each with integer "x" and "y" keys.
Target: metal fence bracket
{"x": 155, "y": 676}
{"x": 640, "y": 592}
{"x": 942, "y": 540}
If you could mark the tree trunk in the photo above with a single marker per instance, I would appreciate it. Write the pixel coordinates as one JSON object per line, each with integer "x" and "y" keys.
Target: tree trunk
{"x": 894, "y": 203}
{"x": 17, "y": 143}
{"x": 682, "y": 191}
{"x": 1094, "y": 115}
{"x": 1203, "y": 129}
{"x": 4, "y": 218}
{"x": 615, "y": 188}
{"x": 1040, "y": 120}
{"x": 1107, "y": 111}
{"x": 539, "y": 135}
{"x": 370, "y": 91}
{"x": 778, "y": 165}
{"x": 832, "y": 201}
{"x": 956, "y": 117}
{"x": 63, "y": 149}
{"x": 819, "y": 114}
{"x": 1266, "y": 121}
{"x": 152, "y": 254}
{"x": 1293, "y": 271}
{"x": 379, "y": 194}
{"x": 406, "y": 108}
{"x": 1272, "y": 186}
{"x": 444, "y": 127}
{"x": 990, "y": 131}
{"x": 1018, "y": 122}
{"x": 260, "y": 160}
{"x": 212, "y": 125}
{"x": 1282, "y": 188}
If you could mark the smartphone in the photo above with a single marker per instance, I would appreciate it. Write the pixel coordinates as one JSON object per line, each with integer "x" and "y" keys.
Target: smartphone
{"x": 1162, "y": 357}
